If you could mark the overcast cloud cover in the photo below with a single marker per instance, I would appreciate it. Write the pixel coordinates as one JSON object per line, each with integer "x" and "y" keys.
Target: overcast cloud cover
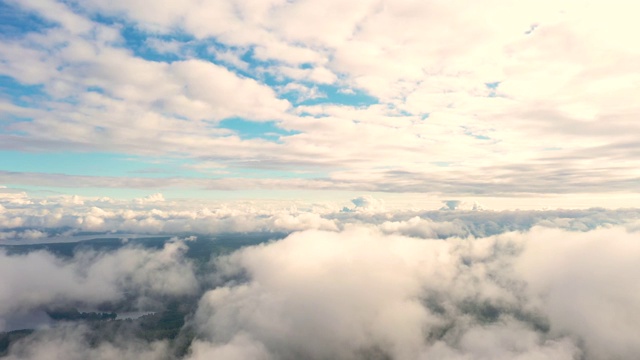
{"x": 436, "y": 179}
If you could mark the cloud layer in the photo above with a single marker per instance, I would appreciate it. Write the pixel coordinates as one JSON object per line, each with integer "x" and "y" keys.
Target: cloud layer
{"x": 377, "y": 284}
{"x": 391, "y": 96}
{"x": 27, "y": 219}
{"x": 542, "y": 294}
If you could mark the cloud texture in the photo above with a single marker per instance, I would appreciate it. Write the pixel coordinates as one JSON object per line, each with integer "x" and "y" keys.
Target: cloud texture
{"x": 451, "y": 284}
{"x": 542, "y": 294}
{"x": 39, "y": 279}
{"x": 490, "y": 98}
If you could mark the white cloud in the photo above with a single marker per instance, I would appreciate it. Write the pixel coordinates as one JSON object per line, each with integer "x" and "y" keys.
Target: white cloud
{"x": 9, "y": 197}
{"x": 40, "y": 279}
{"x": 406, "y": 283}
{"x": 153, "y": 198}
{"x": 587, "y": 286}
{"x": 568, "y": 81}
{"x": 303, "y": 92}
{"x": 33, "y": 219}
{"x": 230, "y": 57}
{"x": 425, "y": 228}
{"x": 357, "y": 293}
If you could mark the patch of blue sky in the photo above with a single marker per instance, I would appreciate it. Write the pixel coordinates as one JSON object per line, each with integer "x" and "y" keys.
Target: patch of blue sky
{"x": 270, "y": 79}
{"x": 267, "y": 130}
{"x": 93, "y": 164}
{"x": 339, "y": 96}
{"x": 127, "y": 166}
{"x": 212, "y": 50}
{"x": 492, "y": 86}
{"x": 24, "y": 95}
{"x": 96, "y": 89}
{"x": 481, "y": 137}
{"x": 179, "y": 45}
{"x": 141, "y": 43}
{"x": 148, "y": 44}
{"x": 116, "y": 193}
{"x": 295, "y": 97}
{"x": 472, "y": 134}
{"x": 29, "y": 95}
{"x": 15, "y": 22}
{"x": 401, "y": 112}
{"x": 249, "y": 57}
{"x": 259, "y": 70}
{"x": 182, "y": 193}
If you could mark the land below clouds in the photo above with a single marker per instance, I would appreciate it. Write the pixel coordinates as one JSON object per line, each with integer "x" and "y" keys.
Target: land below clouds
{"x": 161, "y": 319}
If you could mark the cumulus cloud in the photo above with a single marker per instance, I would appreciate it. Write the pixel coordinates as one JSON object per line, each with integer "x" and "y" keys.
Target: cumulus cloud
{"x": 12, "y": 197}
{"x": 585, "y": 284}
{"x": 153, "y": 198}
{"x": 359, "y": 284}
{"x": 425, "y": 228}
{"x": 542, "y": 294}
{"x": 34, "y": 219}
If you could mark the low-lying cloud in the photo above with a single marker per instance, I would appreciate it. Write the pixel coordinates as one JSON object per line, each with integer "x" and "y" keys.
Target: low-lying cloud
{"x": 60, "y": 218}
{"x": 365, "y": 284}
{"x": 360, "y": 294}
{"x": 40, "y": 279}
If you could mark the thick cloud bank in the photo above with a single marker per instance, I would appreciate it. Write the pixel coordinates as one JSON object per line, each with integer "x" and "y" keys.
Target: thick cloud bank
{"x": 360, "y": 294}
{"x": 380, "y": 285}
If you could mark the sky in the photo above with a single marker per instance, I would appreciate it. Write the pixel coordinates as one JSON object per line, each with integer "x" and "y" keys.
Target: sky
{"x": 437, "y": 179}
{"x": 527, "y": 105}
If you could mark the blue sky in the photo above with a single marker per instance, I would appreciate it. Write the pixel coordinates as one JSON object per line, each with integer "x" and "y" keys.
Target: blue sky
{"x": 199, "y": 98}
